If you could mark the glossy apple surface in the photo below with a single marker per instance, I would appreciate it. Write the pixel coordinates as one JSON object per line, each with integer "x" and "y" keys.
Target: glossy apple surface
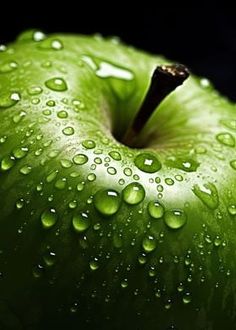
{"x": 97, "y": 234}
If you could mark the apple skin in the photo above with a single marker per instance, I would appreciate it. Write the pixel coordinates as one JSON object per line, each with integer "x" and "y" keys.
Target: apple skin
{"x": 69, "y": 257}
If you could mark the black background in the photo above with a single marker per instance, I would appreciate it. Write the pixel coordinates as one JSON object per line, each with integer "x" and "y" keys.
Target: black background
{"x": 204, "y": 39}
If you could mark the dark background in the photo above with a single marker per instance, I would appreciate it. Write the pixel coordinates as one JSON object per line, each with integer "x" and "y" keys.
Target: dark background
{"x": 204, "y": 39}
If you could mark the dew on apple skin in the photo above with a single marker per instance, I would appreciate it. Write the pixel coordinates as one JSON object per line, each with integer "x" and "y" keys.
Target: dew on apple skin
{"x": 26, "y": 169}
{"x": 62, "y": 114}
{"x": 66, "y": 163}
{"x": 124, "y": 283}
{"x": 73, "y": 204}
{"x": 94, "y": 264}
{"x": 155, "y": 209}
{"x": 149, "y": 244}
{"x": 8, "y": 66}
{"x": 115, "y": 155}
{"x": 180, "y": 287}
{"x": 229, "y": 123}
{"x": 61, "y": 183}
{"x": 97, "y": 160}
{"x": 56, "y": 84}
{"x": 91, "y": 177}
{"x": 187, "y": 298}
{"x": 80, "y": 186}
{"x": 47, "y": 112}
{"x": 52, "y": 176}
{"x": 8, "y": 100}
{"x": 89, "y": 144}
{"x": 51, "y": 44}
{"x": 51, "y": 103}
{"x": 7, "y": 163}
{"x": 49, "y": 218}
{"x": 34, "y": 90}
{"x": 80, "y": 159}
{"x": 226, "y": 139}
{"x": 169, "y": 181}
{"x": 217, "y": 241}
{"x": 49, "y": 258}
{"x": 20, "y": 203}
{"x": 107, "y": 201}
{"x": 233, "y": 164}
{"x": 232, "y": 209}
{"x": 133, "y": 193}
{"x": 68, "y": 131}
{"x": 184, "y": 164}
{"x": 175, "y": 218}
{"x": 80, "y": 222}
{"x": 111, "y": 170}
{"x": 18, "y": 117}
{"x": 147, "y": 162}
{"x": 38, "y": 271}
{"x": 207, "y": 194}
{"x": 20, "y": 152}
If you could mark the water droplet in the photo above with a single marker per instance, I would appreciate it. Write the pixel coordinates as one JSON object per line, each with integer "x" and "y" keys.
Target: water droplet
{"x": 94, "y": 264}
{"x": 8, "y": 100}
{"x": 169, "y": 181}
{"x": 62, "y": 114}
{"x": 107, "y": 201}
{"x": 68, "y": 130}
{"x": 66, "y": 163}
{"x": 226, "y": 139}
{"x": 207, "y": 194}
{"x": 108, "y": 70}
{"x": 233, "y": 164}
{"x": 26, "y": 169}
{"x": 217, "y": 241}
{"x": 124, "y": 283}
{"x": 73, "y": 204}
{"x": 178, "y": 177}
{"x": 80, "y": 186}
{"x": 80, "y": 159}
{"x": 128, "y": 171}
{"x": 155, "y": 209}
{"x": 49, "y": 258}
{"x": 80, "y": 222}
{"x": 175, "y": 219}
{"x": 149, "y": 244}
{"x": 49, "y": 218}
{"x": 111, "y": 170}
{"x": 20, "y": 152}
{"x": 91, "y": 177}
{"x": 147, "y": 162}
{"x": 20, "y": 203}
{"x": 184, "y": 164}
{"x": 51, "y": 103}
{"x": 232, "y": 209}
{"x": 56, "y": 84}
{"x": 115, "y": 155}
{"x": 52, "y": 176}
{"x": 229, "y": 123}
{"x": 7, "y": 163}
{"x": 34, "y": 90}
{"x": 60, "y": 184}
{"x": 89, "y": 144}
{"x": 38, "y": 36}
{"x": 187, "y": 298}
{"x": 38, "y": 271}
{"x": 51, "y": 44}
{"x": 8, "y": 66}
{"x": 133, "y": 193}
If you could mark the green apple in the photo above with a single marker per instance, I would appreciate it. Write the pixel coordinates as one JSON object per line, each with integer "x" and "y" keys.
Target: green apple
{"x": 117, "y": 205}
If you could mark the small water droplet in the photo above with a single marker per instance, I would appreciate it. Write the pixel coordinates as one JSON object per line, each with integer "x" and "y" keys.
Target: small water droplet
{"x": 62, "y": 114}
{"x": 89, "y": 144}
{"x": 80, "y": 222}
{"x": 20, "y": 152}
{"x": 184, "y": 164}
{"x": 226, "y": 139}
{"x": 68, "y": 130}
{"x": 233, "y": 164}
{"x": 169, "y": 181}
{"x": 155, "y": 209}
{"x": 7, "y": 163}
{"x": 111, "y": 170}
{"x": 107, "y": 201}
{"x": 8, "y": 66}
{"x": 80, "y": 186}
{"x": 108, "y": 70}
{"x": 175, "y": 219}
{"x": 56, "y": 84}
{"x": 8, "y": 100}
{"x": 187, "y": 298}
{"x": 49, "y": 218}
{"x": 34, "y": 90}
{"x": 207, "y": 194}
{"x": 133, "y": 193}
{"x": 49, "y": 258}
{"x": 149, "y": 244}
{"x": 20, "y": 203}
{"x": 91, "y": 177}
{"x": 52, "y": 176}
{"x": 232, "y": 209}
{"x": 127, "y": 171}
{"x": 115, "y": 155}
{"x": 66, "y": 163}
{"x": 217, "y": 241}
{"x": 80, "y": 159}
{"x": 26, "y": 169}
{"x": 94, "y": 264}
{"x": 51, "y": 44}
{"x": 229, "y": 123}
{"x": 147, "y": 162}
{"x": 60, "y": 184}
{"x": 51, "y": 103}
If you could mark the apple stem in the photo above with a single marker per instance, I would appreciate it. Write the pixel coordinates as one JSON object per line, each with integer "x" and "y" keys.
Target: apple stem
{"x": 165, "y": 79}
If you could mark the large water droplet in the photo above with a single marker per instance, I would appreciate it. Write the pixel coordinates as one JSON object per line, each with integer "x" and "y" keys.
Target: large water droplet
{"x": 175, "y": 219}
{"x": 56, "y": 84}
{"x": 49, "y": 218}
{"x": 207, "y": 194}
{"x": 155, "y": 209}
{"x": 80, "y": 159}
{"x": 147, "y": 162}
{"x": 107, "y": 201}
{"x": 133, "y": 193}
{"x": 227, "y": 139}
{"x": 7, "y": 100}
{"x": 149, "y": 244}
{"x": 80, "y": 222}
